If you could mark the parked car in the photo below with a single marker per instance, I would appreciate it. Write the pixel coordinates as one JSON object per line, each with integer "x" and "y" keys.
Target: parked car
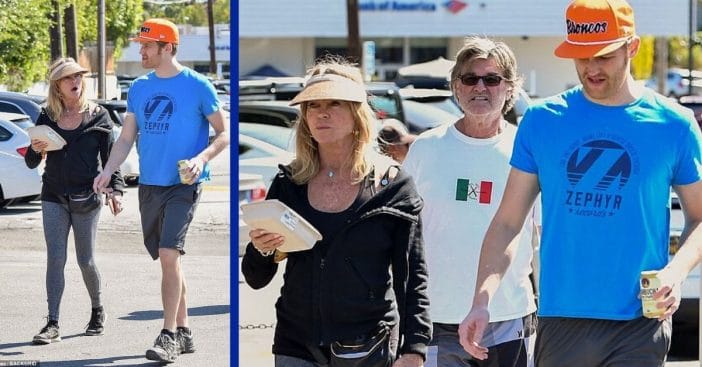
{"x": 23, "y": 121}
{"x": 124, "y": 82}
{"x": 677, "y": 83}
{"x": 276, "y": 135}
{"x": 17, "y": 182}
{"x": 443, "y": 99}
{"x": 439, "y": 98}
{"x": 222, "y": 85}
{"x": 384, "y": 97}
{"x": 386, "y": 101}
{"x": 695, "y": 104}
{"x": 420, "y": 117}
{"x": 686, "y": 318}
{"x": 270, "y": 89}
{"x": 277, "y": 113}
{"x": 116, "y": 109}
{"x": 21, "y": 103}
{"x": 251, "y": 189}
{"x": 259, "y": 157}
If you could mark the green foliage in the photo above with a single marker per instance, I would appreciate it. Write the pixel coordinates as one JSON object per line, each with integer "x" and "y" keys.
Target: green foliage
{"x": 194, "y": 13}
{"x": 122, "y": 20}
{"x": 24, "y": 42}
{"x": 24, "y": 34}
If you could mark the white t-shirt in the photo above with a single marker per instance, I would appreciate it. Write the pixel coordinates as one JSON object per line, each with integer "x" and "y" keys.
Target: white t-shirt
{"x": 462, "y": 180}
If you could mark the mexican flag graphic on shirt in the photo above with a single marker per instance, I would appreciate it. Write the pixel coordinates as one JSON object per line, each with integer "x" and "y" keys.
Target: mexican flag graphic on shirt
{"x": 473, "y": 190}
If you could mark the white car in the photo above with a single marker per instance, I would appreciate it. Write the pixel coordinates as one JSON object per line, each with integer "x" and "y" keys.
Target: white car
{"x": 130, "y": 167}
{"x": 677, "y": 83}
{"x": 261, "y": 158}
{"x": 17, "y": 182}
{"x": 251, "y": 188}
{"x": 686, "y": 318}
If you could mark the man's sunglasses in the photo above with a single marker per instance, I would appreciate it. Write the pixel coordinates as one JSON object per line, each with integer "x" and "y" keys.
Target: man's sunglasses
{"x": 490, "y": 80}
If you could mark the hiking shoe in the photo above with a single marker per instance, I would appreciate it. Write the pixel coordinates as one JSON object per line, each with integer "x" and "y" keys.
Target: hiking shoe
{"x": 96, "y": 325}
{"x": 48, "y": 334}
{"x": 184, "y": 337}
{"x": 165, "y": 349}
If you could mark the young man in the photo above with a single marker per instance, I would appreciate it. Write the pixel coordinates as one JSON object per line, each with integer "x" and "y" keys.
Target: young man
{"x": 604, "y": 156}
{"x": 170, "y": 109}
{"x": 461, "y": 195}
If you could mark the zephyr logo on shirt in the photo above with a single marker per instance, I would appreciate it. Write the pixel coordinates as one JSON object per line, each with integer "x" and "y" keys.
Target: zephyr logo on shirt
{"x": 158, "y": 111}
{"x": 480, "y": 191}
{"x": 580, "y": 28}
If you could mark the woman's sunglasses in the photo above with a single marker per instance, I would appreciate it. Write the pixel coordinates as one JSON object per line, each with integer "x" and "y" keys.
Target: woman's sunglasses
{"x": 491, "y": 80}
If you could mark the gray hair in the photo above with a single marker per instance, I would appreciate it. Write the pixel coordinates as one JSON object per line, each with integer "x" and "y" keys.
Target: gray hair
{"x": 476, "y": 47}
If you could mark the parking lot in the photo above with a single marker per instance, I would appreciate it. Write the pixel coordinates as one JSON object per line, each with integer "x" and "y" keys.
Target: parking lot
{"x": 131, "y": 285}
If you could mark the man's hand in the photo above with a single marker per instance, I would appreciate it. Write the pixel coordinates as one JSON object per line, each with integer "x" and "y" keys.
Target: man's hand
{"x": 101, "y": 181}
{"x": 194, "y": 170}
{"x": 669, "y": 293}
{"x": 409, "y": 360}
{"x": 470, "y": 332}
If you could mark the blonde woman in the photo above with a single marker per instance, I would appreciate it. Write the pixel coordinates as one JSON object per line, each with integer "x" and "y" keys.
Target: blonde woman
{"x": 365, "y": 282}
{"x": 67, "y": 201}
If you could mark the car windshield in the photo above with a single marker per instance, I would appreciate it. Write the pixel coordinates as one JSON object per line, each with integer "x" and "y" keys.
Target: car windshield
{"x": 385, "y": 106}
{"x": 274, "y": 135}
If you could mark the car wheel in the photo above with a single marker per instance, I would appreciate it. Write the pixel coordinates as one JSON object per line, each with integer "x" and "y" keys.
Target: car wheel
{"x": 3, "y": 202}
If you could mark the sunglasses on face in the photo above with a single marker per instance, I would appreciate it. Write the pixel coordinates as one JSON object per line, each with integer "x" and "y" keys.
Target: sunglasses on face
{"x": 490, "y": 80}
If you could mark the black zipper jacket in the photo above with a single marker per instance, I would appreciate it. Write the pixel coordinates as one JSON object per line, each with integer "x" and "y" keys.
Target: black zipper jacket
{"x": 73, "y": 168}
{"x": 349, "y": 291}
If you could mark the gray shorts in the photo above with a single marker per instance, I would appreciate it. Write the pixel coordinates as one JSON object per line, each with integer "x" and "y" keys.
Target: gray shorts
{"x": 574, "y": 342}
{"x": 166, "y": 213}
{"x": 510, "y": 344}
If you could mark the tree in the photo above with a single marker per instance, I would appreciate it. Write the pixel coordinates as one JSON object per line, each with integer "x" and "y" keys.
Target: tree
{"x": 24, "y": 42}
{"x": 122, "y": 21}
{"x": 24, "y": 34}
{"x": 193, "y": 13}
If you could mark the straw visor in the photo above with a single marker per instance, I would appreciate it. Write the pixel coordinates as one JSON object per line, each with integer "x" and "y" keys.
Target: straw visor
{"x": 595, "y": 28}
{"x": 63, "y": 69}
{"x": 330, "y": 86}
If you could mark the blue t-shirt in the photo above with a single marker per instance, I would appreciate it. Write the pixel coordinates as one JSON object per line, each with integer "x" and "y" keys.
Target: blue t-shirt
{"x": 171, "y": 114}
{"x": 605, "y": 175}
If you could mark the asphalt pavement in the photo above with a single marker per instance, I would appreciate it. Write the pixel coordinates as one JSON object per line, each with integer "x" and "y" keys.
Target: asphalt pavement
{"x": 131, "y": 287}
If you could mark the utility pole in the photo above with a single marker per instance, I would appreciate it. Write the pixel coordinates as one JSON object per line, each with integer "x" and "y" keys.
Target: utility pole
{"x": 71, "y": 29}
{"x": 55, "y": 31}
{"x": 101, "y": 49}
{"x": 210, "y": 20}
{"x": 691, "y": 43}
{"x": 354, "y": 39}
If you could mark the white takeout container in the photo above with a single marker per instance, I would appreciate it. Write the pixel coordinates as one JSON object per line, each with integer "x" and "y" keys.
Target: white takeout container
{"x": 47, "y": 134}
{"x": 274, "y": 216}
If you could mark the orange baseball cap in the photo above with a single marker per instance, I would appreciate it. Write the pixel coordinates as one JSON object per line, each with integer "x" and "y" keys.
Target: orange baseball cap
{"x": 159, "y": 30}
{"x": 595, "y": 28}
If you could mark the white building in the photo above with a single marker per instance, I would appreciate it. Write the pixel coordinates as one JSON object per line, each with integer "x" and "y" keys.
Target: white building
{"x": 193, "y": 51}
{"x": 290, "y": 34}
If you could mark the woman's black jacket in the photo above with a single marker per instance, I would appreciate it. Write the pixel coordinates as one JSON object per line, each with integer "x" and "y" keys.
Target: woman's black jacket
{"x": 73, "y": 168}
{"x": 349, "y": 291}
